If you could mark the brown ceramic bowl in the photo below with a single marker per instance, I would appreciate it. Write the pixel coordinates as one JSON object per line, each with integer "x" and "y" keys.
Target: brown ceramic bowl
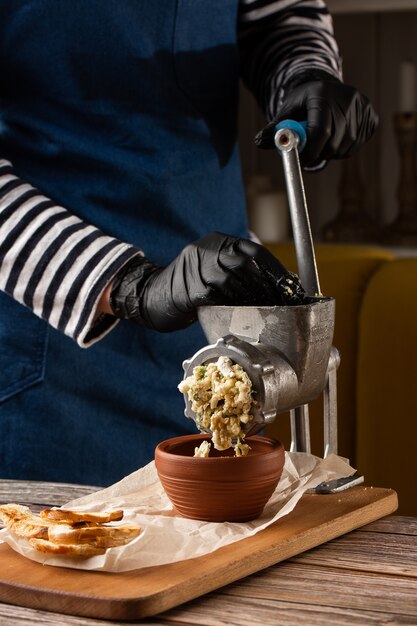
{"x": 222, "y": 487}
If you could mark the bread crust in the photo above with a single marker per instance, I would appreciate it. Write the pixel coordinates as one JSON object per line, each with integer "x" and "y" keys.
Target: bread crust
{"x": 100, "y": 535}
{"x": 69, "y": 516}
{"x": 79, "y": 550}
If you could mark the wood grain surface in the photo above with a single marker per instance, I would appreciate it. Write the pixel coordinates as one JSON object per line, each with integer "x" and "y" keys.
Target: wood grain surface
{"x": 149, "y": 591}
{"x": 334, "y": 592}
{"x": 40, "y": 494}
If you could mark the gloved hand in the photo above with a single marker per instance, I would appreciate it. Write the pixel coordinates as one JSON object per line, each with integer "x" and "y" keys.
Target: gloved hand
{"x": 217, "y": 269}
{"x": 339, "y": 118}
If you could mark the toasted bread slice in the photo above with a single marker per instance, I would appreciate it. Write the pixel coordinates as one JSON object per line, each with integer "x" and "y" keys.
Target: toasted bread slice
{"x": 79, "y": 550}
{"x": 13, "y": 510}
{"x": 83, "y": 535}
{"x": 22, "y": 522}
{"x": 70, "y": 517}
{"x": 100, "y": 535}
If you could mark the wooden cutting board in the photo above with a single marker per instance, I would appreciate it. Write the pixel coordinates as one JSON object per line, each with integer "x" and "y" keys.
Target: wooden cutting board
{"x": 148, "y": 591}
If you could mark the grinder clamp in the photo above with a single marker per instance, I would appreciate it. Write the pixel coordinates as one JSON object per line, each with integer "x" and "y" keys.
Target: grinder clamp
{"x": 286, "y": 351}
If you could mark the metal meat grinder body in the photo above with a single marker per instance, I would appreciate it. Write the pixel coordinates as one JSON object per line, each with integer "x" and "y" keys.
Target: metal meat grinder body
{"x": 286, "y": 351}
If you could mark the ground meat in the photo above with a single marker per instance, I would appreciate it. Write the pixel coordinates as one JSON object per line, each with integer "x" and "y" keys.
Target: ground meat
{"x": 221, "y": 397}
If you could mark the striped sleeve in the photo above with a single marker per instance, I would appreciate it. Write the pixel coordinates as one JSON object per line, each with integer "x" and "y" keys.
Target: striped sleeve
{"x": 53, "y": 262}
{"x": 279, "y": 39}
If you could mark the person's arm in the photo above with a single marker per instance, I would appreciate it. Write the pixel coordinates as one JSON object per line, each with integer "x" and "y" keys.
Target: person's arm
{"x": 279, "y": 39}
{"x": 80, "y": 280}
{"x": 291, "y": 63}
{"x": 53, "y": 262}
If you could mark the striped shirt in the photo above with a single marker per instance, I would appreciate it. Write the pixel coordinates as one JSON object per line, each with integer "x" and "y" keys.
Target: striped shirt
{"x": 56, "y": 264}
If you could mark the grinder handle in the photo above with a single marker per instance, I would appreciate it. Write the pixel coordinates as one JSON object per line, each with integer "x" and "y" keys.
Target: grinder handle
{"x": 290, "y": 139}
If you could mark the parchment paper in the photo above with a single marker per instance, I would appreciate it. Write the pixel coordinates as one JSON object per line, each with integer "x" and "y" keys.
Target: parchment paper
{"x": 167, "y": 537}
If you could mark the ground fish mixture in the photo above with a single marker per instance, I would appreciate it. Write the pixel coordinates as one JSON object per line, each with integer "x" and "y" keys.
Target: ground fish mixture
{"x": 221, "y": 397}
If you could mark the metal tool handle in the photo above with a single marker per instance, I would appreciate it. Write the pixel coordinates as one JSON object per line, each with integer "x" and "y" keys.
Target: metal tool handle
{"x": 290, "y": 139}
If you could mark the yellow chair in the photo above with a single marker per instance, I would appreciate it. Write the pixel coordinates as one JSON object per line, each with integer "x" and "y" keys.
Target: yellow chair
{"x": 344, "y": 272}
{"x": 387, "y": 382}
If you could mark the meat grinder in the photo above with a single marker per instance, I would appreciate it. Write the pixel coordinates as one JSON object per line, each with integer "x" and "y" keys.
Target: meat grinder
{"x": 286, "y": 351}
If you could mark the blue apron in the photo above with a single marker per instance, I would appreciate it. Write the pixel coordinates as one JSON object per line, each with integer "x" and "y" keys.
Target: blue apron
{"x": 125, "y": 113}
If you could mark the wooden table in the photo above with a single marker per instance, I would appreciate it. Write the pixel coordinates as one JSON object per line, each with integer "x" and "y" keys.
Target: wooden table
{"x": 368, "y": 576}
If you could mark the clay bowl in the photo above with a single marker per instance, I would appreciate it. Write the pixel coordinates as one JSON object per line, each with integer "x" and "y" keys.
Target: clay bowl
{"x": 222, "y": 487}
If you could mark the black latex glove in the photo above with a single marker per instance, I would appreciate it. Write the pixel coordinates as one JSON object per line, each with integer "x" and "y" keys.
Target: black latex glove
{"x": 339, "y": 118}
{"x": 217, "y": 269}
